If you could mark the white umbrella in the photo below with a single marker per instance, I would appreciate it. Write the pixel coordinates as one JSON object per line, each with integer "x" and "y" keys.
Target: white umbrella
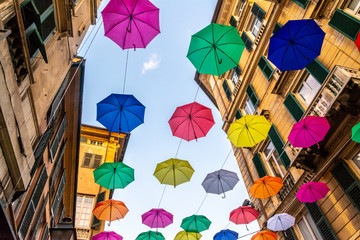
{"x": 280, "y": 222}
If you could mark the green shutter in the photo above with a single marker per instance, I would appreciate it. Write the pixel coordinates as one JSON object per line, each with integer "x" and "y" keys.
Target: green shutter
{"x": 318, "y": 70}
{"x": 289, "y": 234}
{"x": 233, "y": 22}
{"x": 301, "y": 3}
{"x": 348, "y": 182}
{"x": 99, "y": 198}
{"x": 227, "y": 89}
{"x": 55, "y": 206}
{"x": 277, "y": 27}
{"x": 47, "y": 23}
{"x": 238, "y": 114}
{"x": 279, "y": 144}
{"x": 320, "y": 220}
{"x": 258, "y": 11}
{"x": 346, "y": 24}
{"x": 265, "y": 67}
{"x": 247, "y": 41}
{"x": 259, "y": 165}
{"x": 35, "y": 42}
{"x": 58, "y": 136}
{"x": 252, "y": 96}
{"x": 294, "y": 107}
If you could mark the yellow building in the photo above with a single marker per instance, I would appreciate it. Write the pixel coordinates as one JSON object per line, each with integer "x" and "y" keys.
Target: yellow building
{"x": 329, "y": 87}
{"x": 95, "y": 144}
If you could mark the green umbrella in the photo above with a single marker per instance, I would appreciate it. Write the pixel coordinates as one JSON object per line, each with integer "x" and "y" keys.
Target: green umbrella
{"x": 112, "y": 175}
{"x": 355, "y": 136}
{"x": 215, "y": 49}
{"x": 195, "y": 223}
{"x": 150, "y": 235}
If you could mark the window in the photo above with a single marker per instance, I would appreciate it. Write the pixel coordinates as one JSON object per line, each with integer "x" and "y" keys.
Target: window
{"x": 83, "y": 139}
{"x": 91, "y": 160}
{"x": 308, "y": 89}
{"x": 255, "y": 26}
{"x": 317, "y": 70}
{"x": 277, "y": 27}
{"x": 227, "y": 89}
{"x": 236, "y": 74}
{"x": 249, "y": 108}
{"x": 308, "y": 228}
{"x": 345, "y": 23}
{"x": 239, "y": 7}
{"x": 84, "y": 207}
{"x": 293, "y": 106}
{"x": 356, "y": 160}
{"x": 238, "y": 114}
{"x": 252, "y": 101}
{"x": 354, "y": 6}
{"x": 265, "y": 67}
{"x": 273, "y": 161}
{"x": 301, "y": 3}
{"x": 247, "y": 41}
{"x": 259, "y": 165}
{"x": 98, "y": 143}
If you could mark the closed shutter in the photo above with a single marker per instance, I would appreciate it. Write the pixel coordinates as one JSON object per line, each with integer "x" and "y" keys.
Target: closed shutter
{"x": 237, "y": 71}
{"x": 301, "y": 3}
{"x": 87, "y": 160}
{"x": 258, "y": 11}
{"x": 45, "y": 234}
{"x": 279, "y": 144}
{"x": 265, "y": 67}
{"x": 317, "y": 70}
{"x": 57, "y": 168}
{"x": 348, "y": 182}
{"x": 252, "y": 96}
{"x": 97, "y": 161}
{"x": 277, "y": 27}
{"x": 35, "y": 42}
{"x": 233, "y": 22}
{"x": 99, "y": 198}
{"x": 58, "y": 97}
{"x": 259, "y": 165}
{"x": 238, "y": 114}
{"x": 58, "y": 196}
{"x": 47, "y": 23}
{"x": 227, "y": 89}
{"x": 294, "y": 107}
{"x": 247, "y": 41}
{"x": 320, "y": 220}
{"x": 345, "y": 23}
{"x": 58, "y": 136}
{"x": 289, "y": 234}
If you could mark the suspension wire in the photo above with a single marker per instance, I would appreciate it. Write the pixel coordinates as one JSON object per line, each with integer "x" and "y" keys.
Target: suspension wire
{"x": 126, "y": 66}
{"x": 197, "y": 91}
{"x": 226, "y": 158}
{"x": 201, "y": 203}
{"x": 227, "y": 225}
{"x": 177, "y": 151}
{"x": 248, "y": 234}
{"x": 162, "y": 196}
{"x": 88, "y": 36}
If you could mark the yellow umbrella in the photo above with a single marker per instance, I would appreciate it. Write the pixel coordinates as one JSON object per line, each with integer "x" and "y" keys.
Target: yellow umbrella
{"x": 173, "y": 172}
{"x": 248, "y": 130}
{"x": 183, "y": 235}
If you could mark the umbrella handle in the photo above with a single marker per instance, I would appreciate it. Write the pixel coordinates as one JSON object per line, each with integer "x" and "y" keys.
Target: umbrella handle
{"x": 224, "y": 195}
{"x": 247, "y": 229}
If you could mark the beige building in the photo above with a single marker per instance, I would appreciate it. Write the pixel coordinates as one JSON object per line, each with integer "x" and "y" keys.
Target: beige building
{"x": 329, "y": 87}
{"x": 41, "y": 85}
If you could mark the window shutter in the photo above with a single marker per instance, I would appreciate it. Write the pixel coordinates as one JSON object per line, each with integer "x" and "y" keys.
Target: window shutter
{"x": 97, "y": 161}
{"x": 277, "y": 27}
{"x": 47, "y": 23}
{"x": 259, "y": 165}
{"x": 58, "y": 196}
{"x": 294, "y": 107}
{"x": 320, "y": 220}
{"x": 265, "y": 67}
{"x": 345, "y": 23}
{"x": 227, "y": 89}
{"x": 348, "y": 182}
{"x": 247, "y": 41}
{"x": 100, "y": 197}
{"x": 233, "y": 22}
{"x": 258, "y": 11}
{"x": 252, "y": 96}
{"x": 58, "y": 96}
{"x": 57, "y": 168}
{"x": 237, "y": 70}
{"x": 318, "y": 70}
{"x": 87, "y": 160}
{"x": 35, "y": 42}
{"x": 279, "y": 144}
{"x": 289, "y": 234}
{"x": 58, "y": 136}
{"x": 238, "y": 114}
{"x": 301, "y": 3}
{"x": 45, "y": 234}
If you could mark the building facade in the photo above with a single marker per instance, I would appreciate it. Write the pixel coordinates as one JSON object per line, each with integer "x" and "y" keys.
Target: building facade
{"x": 41, "y": 85}
{"x": 97, "y": 146}
{"x": 329, "y": 87}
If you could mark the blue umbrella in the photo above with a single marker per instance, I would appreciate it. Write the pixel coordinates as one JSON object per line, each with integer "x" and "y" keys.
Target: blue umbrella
{"x": 120, "y": 112}
{"x": 296, "y": 44}
{"x": 226, "y": 235}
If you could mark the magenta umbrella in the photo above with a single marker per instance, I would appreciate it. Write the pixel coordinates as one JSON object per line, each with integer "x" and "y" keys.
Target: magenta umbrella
{"x": 191, "y": 121}
{"x": 312, "y": 191}
{"x": 157, "y": 218}
{"x": 131, "y": 24}
{"x": 309, "y": 131}
{"x": 107, "y": 236}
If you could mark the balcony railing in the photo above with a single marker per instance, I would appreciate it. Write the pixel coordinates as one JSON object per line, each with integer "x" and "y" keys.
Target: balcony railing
{"x": 82, "y": 233}
{"x": 289, "y": 183}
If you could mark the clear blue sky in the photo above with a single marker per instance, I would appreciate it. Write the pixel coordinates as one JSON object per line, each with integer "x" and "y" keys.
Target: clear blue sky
{"x": 161, "y": 77}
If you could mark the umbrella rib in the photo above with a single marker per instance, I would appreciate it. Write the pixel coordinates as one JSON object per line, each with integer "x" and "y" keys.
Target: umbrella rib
{"x": 125, "y": 6}
{"x": 107, "y": 113}
{"x": 116, "y": 25}
{"x": 197, "y": 50}
{"x": 135, "y": 5}
{"x": 257, "y": 131}
{"x": 301, "y": 28}
{"x": 204, "y": 59}
{"x": 222, "y": 35}
{"x": 117, "y": 13}
{"x": 127, "y": 123}
{"x": 141, "y": 37}
{"x": 203, "y": 39}
{"x": 155, "y": 9}
{"x": 146, "y": 24}
{"x": 127, "y": 110}
{"x": 198, "y": 126}
{"x": 296, "y": 43}
{"x": 179, "y": 125}
{"x": 309, "y": 35}
{"x": 227, "y": 56}
{"x": 114, "y": 122}
{"x": 222, "y": 44}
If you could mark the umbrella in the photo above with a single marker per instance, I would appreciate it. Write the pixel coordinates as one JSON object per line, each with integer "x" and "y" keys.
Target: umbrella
{"x": 312, "y": 191}
{"x": 220, "y": 181}
{"x": 183, "y": 235}
{"x": 308, "y": 131}
{"x": 248, "y": 130}
{"x": 296, "y": 44}
{"x": 110, "y": 210}
{"x": 191, "y": 121}
{"x": 243, "y": 215}
{"x": 195, "y": 223}
{"x": 157, "y": 218}
{"x": 264, "y": 235}
{"x": 280, "y": 222}
{"x": 173, "y": 172}
{"x": 120, "y": 112}
{"x": 112, "y": 175}
{"x": 150, "y": 235}
{"x": 226, "y": 235}
{"x": 357, "y": 41}
{"x": 131, "y": 24}
{"x": 355, "y": 133}
{"x": 215, "y": 49}
{"x": 266, "y": 187}
{"x": 107, "y": 236}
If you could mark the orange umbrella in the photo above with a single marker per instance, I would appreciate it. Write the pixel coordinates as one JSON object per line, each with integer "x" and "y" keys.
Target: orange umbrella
{"x": 264, "y": 235}
{"x": 266, "y": 187}
{"x": 110, "y": 210}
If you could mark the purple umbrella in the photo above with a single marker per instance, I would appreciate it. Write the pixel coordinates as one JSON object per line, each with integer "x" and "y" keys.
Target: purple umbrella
{"x": 312, "y": 191}
{"x": 131, "y": 24}
{"x": 157, "y": 218}
{"x": 107, "y": 236}
{"x": 309, "y": 131}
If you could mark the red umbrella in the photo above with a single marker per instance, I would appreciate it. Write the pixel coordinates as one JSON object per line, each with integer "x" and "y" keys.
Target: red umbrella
{"x": 191, "y": 121}
{"x": 357, "y": 41}
{"x": 244, "y": 215}
{"x": 312, "y": 191}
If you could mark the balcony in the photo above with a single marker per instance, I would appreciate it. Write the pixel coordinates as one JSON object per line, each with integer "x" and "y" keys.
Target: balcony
{"x": 82, "y": 233}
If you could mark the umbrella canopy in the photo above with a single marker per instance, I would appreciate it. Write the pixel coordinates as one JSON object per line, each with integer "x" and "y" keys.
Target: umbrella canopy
{"x": 107, "y": 236}
{"x": 195, "y": 223}
{"x": 120, "y": 112}
{"x": 150, "y": 235}
{"x": 226, "y": 235}
{"x": 296, "y": 44}
{"x": 357, "y": 41}
{"x": 312, "y": 191}
{"x": 243, "y": 215}
{"x": 220, "y": 181}
{"x": 266, "y": 187}
{"x": 309, "y": 131}
{"x": 280, "y": 222}
{"x": 157, "y": 218}
{"x": 249, "y": 130}
{"x": 191, "y": 121}
{"x": 173, "y": 172}
{"x": 110, "y": 210}
{"x": 183, "y": 235}
{"x": 131, "y": 24}
{"x": 355, "y": 133}
{"x": 114, "y": 175}
{"x": 215, "y": 49}
{"x": 264, "y": 235}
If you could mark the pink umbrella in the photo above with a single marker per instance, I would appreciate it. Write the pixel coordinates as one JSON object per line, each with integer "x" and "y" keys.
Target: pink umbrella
{"x": 191, "y": 121}
{"x": 312, "y": 191}
{"x": 309, "y": 131}
{"x": 131, "y": 24}
{"x": 157, "y": 218}
{"x": 107, "y": 236}
{"x": 243, "y": 215}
